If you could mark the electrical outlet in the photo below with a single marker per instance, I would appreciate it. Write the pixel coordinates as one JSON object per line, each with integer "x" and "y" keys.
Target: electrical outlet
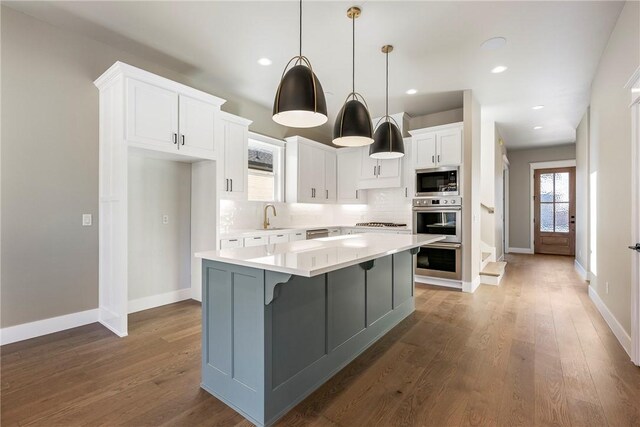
{"x": 606, "y": 288}
{"x": 165, "y": 219}
{"x": 86, "y": 220}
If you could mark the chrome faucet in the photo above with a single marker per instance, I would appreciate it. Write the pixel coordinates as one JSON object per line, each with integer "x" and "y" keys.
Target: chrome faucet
{"x": 265, "y": 222}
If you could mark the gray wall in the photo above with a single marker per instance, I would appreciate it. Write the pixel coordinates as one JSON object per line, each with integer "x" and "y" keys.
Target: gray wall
{"x": 610, "y": 165}
{"x": 159, "y": 260}
{"x": 520, "y": 188}
{"x": 49, "y": 169}
{"x": 436, "y": 119}
{"x": 582, "y": 192}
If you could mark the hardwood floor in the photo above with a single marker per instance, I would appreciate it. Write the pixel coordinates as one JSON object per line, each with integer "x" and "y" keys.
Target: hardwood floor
{"x": 533, "y": 351}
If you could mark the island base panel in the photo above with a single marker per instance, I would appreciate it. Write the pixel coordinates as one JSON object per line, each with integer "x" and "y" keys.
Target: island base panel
{"x": 262, "y": 360}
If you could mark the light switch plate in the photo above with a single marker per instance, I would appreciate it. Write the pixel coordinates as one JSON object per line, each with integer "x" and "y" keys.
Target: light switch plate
{"x": 86, "y": 220}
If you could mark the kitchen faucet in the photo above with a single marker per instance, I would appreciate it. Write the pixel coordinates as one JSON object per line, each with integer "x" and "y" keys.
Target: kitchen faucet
{"x": 265, "y": 222}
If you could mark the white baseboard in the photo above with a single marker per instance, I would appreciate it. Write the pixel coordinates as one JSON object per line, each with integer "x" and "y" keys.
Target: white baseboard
{"x": 521, "y": 250}
{"x": 471, "y": 286}
{"x": 38, "y": 328}
{"x": 580, "y": 269}
{"x": 614, "y": 325}
{"x": 159, "y": 300}
{"x": 455, "y": 284}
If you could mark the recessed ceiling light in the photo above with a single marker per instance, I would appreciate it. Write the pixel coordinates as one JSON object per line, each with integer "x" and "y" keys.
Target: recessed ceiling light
{"x": 537, "y": 127}
{"x": 493, "y": 43}
{"x": 265, "y": 61}
{"x": 411, "y": 92}
{"x": 499, "y": 69}
{"x": 538, "y": 107}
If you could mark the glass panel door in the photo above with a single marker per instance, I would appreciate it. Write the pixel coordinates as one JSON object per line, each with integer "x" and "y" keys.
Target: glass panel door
{"x": 554, "y": 202}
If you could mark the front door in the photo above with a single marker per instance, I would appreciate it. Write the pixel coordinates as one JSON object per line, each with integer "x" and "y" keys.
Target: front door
{"x": 554, "y": 207}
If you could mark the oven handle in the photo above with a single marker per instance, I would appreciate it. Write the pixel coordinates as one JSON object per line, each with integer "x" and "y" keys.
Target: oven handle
{"x": 444, "y": 245}
{"x": 442, "y": 209}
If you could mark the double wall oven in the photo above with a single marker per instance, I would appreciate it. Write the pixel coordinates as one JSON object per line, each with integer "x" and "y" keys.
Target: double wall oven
{"x": 439, "y": 215}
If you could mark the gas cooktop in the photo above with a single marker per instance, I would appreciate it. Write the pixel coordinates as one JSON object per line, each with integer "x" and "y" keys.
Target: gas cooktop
{"x": 380, "y": 224}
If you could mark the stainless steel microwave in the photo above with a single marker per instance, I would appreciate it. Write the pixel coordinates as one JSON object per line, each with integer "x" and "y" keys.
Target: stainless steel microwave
{"x": 443, "y": 181}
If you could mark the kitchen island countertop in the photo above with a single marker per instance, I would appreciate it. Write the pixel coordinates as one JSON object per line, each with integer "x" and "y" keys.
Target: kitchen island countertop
{"x": 309, "y": 258}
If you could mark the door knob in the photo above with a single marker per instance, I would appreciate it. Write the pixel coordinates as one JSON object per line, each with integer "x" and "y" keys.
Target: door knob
{"x": 636, "y": 247}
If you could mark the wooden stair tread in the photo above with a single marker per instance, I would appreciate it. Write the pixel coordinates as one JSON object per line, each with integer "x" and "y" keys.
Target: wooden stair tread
{"x": 494, "y": 269}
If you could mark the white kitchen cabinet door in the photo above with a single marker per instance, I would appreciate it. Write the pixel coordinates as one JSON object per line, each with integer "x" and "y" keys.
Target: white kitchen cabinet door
{"x": 389, "y": 168}
{"x": 255, "y": 241}
{"x": 348, "y": 175}
{"x": 307, "y": 174}
{"x": 424, "y": 150}
{"x": 197, "y": 124}
{"x": 234, "y": 176}
{"x": 449, "y": 147}
{"x": 368, "y": 166}
{"x": 278, "y": 238}
{"x": 330, "y": 176}
{"x": 231, "y": 243}
{"x": 409, "y": 173}
{"x": 152, "y": 115}
{"x": 298, "y": 235}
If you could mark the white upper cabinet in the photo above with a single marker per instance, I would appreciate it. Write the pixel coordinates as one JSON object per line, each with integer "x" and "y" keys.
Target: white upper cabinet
{"x": 330, "y": 175}
{"x": 197, "y": 125}
{"x": 379, "y": 173}
{"x": 152, "y": 114}
{"x": 449, "y": 147}
{"x": 348, "y": 176}
{"x": 235, "y": 167}
{"x": 437, "y": 146}
{"x": 165, "y": 116}
{"x": 310, "y": 171}
{"x": 425, "y": 150}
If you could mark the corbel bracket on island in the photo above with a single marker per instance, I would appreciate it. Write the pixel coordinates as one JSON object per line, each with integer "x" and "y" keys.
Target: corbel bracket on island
{"x": 271, "y": 280}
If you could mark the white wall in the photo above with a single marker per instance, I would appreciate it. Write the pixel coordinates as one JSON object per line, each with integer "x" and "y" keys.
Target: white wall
{"x": 582, "y": 192}
{"x": 487, "y": 178}
{"x": 159, "y": 254}
{"x": 610, "y": 166}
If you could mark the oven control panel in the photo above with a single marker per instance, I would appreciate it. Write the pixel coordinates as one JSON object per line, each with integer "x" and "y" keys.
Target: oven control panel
{"x": 438, "y": 201}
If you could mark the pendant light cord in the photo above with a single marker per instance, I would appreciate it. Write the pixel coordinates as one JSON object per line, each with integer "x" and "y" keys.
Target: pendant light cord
{"x": 300, "y": 28}
{"x": 353, "y": 53}
{"x": 386, "y": 55}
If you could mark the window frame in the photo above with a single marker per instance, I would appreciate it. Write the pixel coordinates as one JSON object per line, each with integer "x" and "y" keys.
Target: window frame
{"x": 278, "y": 147}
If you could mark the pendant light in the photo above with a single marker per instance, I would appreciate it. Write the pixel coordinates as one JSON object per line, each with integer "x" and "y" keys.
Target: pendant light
{"x": 299, "y": 99}
{"x": 353, "y": 126}
{"x": 387, "y": 140}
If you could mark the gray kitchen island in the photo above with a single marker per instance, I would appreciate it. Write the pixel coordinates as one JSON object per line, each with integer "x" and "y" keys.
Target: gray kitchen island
{"x": 279, "y": 320}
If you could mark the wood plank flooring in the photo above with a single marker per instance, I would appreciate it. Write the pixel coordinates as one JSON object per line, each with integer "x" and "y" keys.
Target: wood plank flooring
{"x": 533, "y": 351}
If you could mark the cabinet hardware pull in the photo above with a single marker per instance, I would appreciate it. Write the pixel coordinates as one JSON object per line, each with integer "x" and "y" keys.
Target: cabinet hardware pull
{"x": 438, "y": 158}
{"x": 175, "y": 138}
{"x": 433, "y": 159}
{"x": 256, "y": 238}
{"x": 231, "y": 180}
{"x": 374, "y": 171}
{"x": 182, "y": 139}
{"x": 356, "y": 194}
{"x": 226, "y": 188}
{"x": 327, "y": 193}
{"x": 405, "y": 192}
{"x": 233, "y": 240}
{"x": 379, "y": 168}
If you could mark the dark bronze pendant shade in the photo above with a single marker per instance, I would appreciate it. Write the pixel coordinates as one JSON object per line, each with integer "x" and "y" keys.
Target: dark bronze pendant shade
{"x": 353, "y": 126}
{"x": 300, "y": 101}
{"x": 387, "y": 140}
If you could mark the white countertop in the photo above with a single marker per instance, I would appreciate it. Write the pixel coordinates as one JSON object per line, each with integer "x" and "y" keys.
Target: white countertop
{"x": 239, "y": 233}
{"x": 310, "y": 258}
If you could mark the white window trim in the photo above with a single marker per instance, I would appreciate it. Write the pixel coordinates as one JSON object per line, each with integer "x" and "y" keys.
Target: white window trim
{"x": 256, "y": 139}
{"x": 532, "y": 168}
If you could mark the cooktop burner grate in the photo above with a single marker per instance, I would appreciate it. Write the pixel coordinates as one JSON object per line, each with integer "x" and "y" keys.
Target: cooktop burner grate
{"x": 380, "y": 224}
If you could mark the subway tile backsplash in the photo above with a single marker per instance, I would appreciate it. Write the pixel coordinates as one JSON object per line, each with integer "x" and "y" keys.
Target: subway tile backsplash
{"x": 388, "y": 205}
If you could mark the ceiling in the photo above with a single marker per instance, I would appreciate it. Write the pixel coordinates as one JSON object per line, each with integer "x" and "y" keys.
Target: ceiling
{"x": 552, "y": 51}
